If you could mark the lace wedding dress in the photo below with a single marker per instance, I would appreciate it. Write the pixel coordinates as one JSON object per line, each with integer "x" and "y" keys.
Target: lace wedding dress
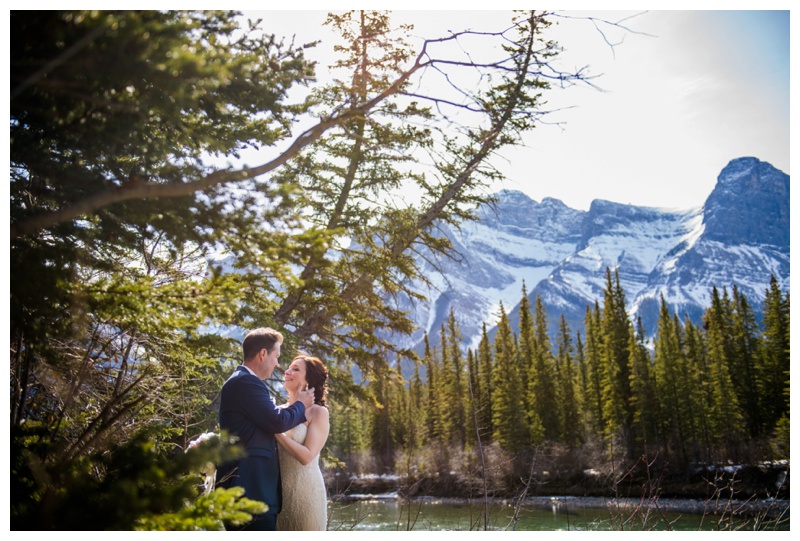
{"x": 305, "y": 501}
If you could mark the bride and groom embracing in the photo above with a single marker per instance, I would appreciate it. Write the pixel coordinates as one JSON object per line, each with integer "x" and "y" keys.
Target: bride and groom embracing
{"x": 281, "y": 467}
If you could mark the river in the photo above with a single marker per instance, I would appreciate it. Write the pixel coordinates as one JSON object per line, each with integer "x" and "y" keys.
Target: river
{"x": 388, "y": 513}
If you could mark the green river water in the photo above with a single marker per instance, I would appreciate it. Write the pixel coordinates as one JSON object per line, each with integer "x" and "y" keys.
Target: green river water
{"x": 542, "y": 514}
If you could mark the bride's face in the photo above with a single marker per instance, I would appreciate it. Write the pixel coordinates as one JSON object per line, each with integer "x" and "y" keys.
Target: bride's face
{"x": 294, "y": 378}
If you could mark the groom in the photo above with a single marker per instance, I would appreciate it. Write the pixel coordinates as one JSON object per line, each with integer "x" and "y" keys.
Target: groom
{"x": 247, "y": 411}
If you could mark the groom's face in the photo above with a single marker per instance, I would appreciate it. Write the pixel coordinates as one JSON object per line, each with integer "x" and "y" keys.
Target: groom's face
{"x": 271, "y": 362}
{"x": 267, "y": 361}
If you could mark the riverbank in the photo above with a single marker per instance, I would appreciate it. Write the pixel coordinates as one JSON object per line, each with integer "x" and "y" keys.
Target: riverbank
{"x": 761, "y": 489}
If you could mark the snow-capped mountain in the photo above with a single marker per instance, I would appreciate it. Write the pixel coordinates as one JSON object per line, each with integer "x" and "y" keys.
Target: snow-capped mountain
{"x": 740, "y": 236}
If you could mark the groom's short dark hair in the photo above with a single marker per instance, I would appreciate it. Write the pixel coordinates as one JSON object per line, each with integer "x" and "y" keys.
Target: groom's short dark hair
{"x": 258, "y": 339}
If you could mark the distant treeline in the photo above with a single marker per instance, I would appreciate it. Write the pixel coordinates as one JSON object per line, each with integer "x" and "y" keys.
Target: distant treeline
{"x": 709, "y": 393}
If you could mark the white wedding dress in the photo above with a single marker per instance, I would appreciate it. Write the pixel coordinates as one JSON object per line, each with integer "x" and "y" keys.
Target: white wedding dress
{"x": 305, "y": 501}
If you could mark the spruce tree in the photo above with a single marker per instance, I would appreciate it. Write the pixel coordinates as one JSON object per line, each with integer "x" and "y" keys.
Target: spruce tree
{"x": 380, "y": 425}
{"x": 459, "y": 384}
{"x": 431, "y": 414}
{"x": 725, "y": 416}
{"x": 570, "y": 419}
{"x": 485, "y": 389}
{"x": 616, "y": 383}
{"x": 670, "y": 377}
{"x": 582, "y": 385}
{"x": 746, "y": 362}
{"x": 507, "y": 421}
{"x": 643, "y": 399}
{"x": 416, "y": 407}
{"x": 593, "y": 398}
{"x": 774, "y": 380}
{"x": 527, "y": 349}
{"x": 470, "y": 405}
{"x": 543, "y": 383}
{"x": 701, "y": 389}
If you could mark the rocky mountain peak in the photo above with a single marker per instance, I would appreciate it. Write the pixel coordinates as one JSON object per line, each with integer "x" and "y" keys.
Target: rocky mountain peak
{"x": 749, "y": 205}
{"x": 740, "y": 236}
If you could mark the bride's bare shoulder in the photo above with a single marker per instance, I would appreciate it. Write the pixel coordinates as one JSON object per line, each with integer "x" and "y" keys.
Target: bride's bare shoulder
{"x": 319, "y": 412}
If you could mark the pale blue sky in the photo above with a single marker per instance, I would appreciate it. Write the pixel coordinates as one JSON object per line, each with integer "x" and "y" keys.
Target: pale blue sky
{"x": 699, "y": 89}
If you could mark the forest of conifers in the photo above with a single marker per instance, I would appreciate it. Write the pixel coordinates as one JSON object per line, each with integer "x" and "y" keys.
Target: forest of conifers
{"x": 697, "y": 395}
{"x": 144, "y": 241}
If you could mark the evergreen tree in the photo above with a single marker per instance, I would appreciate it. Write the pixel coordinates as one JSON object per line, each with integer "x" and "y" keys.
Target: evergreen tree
{"x": 507, "y": 404}
{"x": 670, "y": 375}
{"x": 775, "y": 358}
{"x": 697, "y": 363}
{"x": 485, "y": 378}
{"x": 527, "y": 349}
{"x": 616, "y": 383}
{"x": 399, "y": 421}
{"x": 570, "y": 419}
{"x": 431, "y": 414}
{"x": 725, "y": 416}
{"x": 595, "y": 373}
{"x": 452, "y": 386}
{"x": 582, "y": 385}
{"x": 503, "y": 103}
{"x": 459, "y": 385}
{"x": 416, "y": 405}
{"x": 470, "y": 405}
{"x": 542, "y": 382}
{"x": 380, "y": 427}
{"x": 643, "y": 399}
{"x": 348, "y": 435}
{"x": 744, "y": 365}
{"x": 526, "y": 335}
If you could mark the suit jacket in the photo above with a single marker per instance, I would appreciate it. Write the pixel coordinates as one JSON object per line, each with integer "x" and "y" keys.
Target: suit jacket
{"x": 247, "y": 410}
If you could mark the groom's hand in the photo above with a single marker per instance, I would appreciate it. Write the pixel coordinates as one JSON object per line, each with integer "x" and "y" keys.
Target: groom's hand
{"x": 307, "y": 397}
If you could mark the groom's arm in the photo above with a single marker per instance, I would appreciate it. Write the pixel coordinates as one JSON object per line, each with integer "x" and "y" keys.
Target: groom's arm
{"x": 263, "y": 412}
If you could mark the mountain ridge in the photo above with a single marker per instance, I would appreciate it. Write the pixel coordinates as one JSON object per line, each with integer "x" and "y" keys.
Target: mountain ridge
{"x": 740, "y": 235}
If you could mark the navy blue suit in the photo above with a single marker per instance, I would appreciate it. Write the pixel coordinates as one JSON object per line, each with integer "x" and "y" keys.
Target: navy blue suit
{"x": 247, "y": 410}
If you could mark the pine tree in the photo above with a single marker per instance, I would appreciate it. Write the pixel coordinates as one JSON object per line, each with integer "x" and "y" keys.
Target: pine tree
{"x": 380, "y": 420}
{"x": 643, "y": 399}
{"x": 570, "y": 419}
{"x": 399, "y": 421}
{"x": 452, "y": 384}
{"x": 470, "y": 405}
{"x": 542, "y": 381}
{"x": 670, "y": 375}
{"x": 416, "y": 405}
{"x": 595, "y": 373}
{"x": 485, "y": 388}
{"x": 527, "y": 349}
{"x": 582, "y": 386}
{"x": 775, "y": 359}
{"x": 725, "y": 416}
{"x": 616, "y": 383}
{"x": 348, "y": 435}
{"x": 701, "y": 389}
{"x": 431, "y": 414}
{"x": 508, "y": 423}
{"x": 355, "y": 293}
{"x": 745, "y": 362}
{"x": 459, "y": 383}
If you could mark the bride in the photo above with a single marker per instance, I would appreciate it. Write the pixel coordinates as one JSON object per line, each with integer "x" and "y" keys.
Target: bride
{"x": 305, "y": 501}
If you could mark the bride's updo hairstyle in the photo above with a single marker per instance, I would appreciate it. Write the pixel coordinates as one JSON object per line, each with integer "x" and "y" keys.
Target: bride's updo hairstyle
{"x": 317, "y": 377}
